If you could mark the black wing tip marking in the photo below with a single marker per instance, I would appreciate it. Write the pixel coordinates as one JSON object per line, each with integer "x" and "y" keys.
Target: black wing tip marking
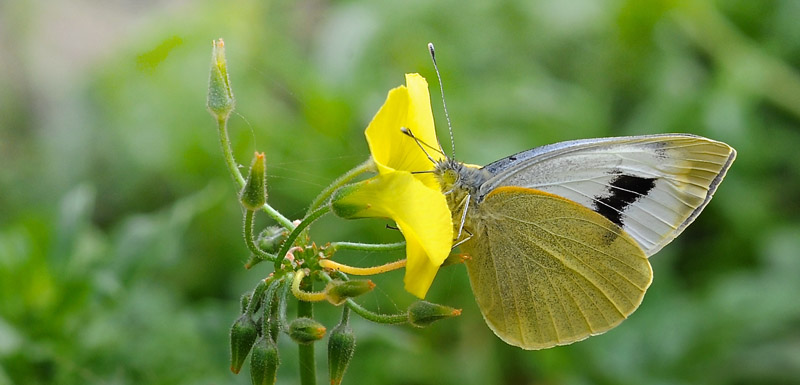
{"x": 623, "y": 191}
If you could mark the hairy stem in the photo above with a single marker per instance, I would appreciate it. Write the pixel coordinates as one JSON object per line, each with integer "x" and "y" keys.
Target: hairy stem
{"x": 249, "y": 239}
{"x": 308, "y": 368}
{"x": 323, "y": 196}
{"x": 238, "y": 179}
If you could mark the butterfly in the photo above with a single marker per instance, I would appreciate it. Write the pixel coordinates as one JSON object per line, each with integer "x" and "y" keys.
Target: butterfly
{"x": 559, "y": 236}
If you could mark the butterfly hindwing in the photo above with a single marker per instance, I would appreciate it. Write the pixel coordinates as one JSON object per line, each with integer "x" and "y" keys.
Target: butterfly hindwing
{"x": 652, "y": 186}
{"x": 547, "y": 271}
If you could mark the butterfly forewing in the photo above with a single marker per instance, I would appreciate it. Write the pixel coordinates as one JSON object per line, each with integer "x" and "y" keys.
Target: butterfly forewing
{"x": 547, "y": 271}
{"x": 652, "y": 186}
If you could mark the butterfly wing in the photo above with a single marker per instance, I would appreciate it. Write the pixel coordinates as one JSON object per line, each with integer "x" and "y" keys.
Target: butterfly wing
{"x": 652, "y": 186}
{"x": 546, "y": 271}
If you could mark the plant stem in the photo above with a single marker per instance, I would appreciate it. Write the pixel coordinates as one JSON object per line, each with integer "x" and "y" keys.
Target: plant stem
{"x": 367, "y": 246}
{"x": 308, "y": 367}
{"x": 375, "y": 317}
{"x": 323, "y": 196}
{"x": 257, "y": 296}
{"x": 225, "y": 142}
{"x": 249, "y": 218}
{"x": 345, "y": 315}
{"x": 278, "y": 217}
{"x": 238, "y": 179}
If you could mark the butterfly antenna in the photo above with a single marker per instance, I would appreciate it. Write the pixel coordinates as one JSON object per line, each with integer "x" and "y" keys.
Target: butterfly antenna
{"x": 444, "y": 105}
{"x": 421, "y": 144}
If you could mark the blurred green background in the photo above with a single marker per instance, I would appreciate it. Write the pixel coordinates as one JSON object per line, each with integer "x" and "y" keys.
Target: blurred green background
{"x": 121, "y": 260}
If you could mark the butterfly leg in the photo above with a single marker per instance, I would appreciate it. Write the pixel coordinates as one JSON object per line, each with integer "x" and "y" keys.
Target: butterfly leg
{"x": 464, "y": 203}
{"x": 468, "y": 237}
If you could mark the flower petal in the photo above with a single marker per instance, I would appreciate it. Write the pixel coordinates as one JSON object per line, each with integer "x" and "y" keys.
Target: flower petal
{"x": 409, "y": 107}
{"x": 420, "y": 272}
{"x": 421, "y": 214}
{"x": 420, "y": 115}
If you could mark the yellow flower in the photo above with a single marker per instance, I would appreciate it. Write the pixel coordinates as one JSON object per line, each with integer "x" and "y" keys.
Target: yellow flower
{"x": 414, "y": 201}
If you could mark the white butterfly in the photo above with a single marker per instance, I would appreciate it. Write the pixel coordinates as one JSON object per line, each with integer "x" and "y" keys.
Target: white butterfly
{"x": 559, "y": 235}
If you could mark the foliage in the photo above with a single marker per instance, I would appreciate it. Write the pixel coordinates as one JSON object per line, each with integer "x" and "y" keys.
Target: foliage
{"x": 120, "y": 258}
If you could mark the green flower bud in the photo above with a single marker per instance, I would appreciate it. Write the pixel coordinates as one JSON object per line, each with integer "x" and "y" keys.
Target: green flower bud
{"x": 264, "y": 362}
{"x": 424, "y": 313}
{"x": 306, "y": 330}
{"x": 245, "y": 301}
{"x": 271, "y": 238}
{"x": 243, "y": 333}
{"x": 254, "y": 193}
{"x": 338, "y": 291}
{"x": 220, "y": 96}
{"x": 341, "y": 346}
{"x": 348, "y": 208}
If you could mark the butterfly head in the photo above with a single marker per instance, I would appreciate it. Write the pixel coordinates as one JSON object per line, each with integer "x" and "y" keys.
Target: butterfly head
{"x": 457, "y": 178}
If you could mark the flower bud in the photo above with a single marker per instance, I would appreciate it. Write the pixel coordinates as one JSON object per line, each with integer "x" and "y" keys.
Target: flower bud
{"x": 271, "y": 238}
{"x": 264, "y": 362}
{"x": 220, "y": 96}
{"x": 245, "y": 301}
{"x": 345, "y": 207}
{"x": 338, "y": 291}
{"x": 306, "y": 330}
{"x": 341, "y": 346}
{"x": 254, "y": 193}
{"x": 243, "y": 334}
{"x": 424, "y": 313}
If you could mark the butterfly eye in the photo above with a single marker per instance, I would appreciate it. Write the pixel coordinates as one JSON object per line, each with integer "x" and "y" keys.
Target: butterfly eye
{"x": 450, "y": 177}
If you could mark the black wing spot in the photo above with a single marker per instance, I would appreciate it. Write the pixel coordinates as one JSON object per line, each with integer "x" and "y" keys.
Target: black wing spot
{"x": 623, "y": 191}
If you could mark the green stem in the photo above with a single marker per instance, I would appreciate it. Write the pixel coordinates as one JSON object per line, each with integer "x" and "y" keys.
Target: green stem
{"x": 271, "y": 325}
{"x": 257, "y": 296}
{"x": 323, "y": 196}
{"x": 336, "y": 246}
{"x": 249, "y": 219}
{"x": 308, "y": 367}
{"x": 345, "y": 315}
{"x": 278, "y": 217}
{"x": 375, "y": 317}
{"x": 233, "y": 169}
{"x": 308, "y": 220}
{"x": 283, "y": 295}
